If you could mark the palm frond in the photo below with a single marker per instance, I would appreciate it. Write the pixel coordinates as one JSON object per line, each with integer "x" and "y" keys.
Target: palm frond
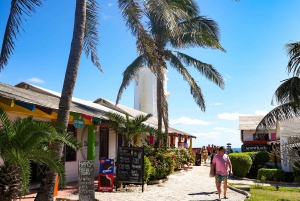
{"x": 31, "y": 133}
{"x": 195, "y": 89}
{"x": 141, "y": 118}
{"x": 205, "y": 69}
{"x": 293, "y": 50}
{"x": 199, "y": 31}
{"x": 288, "y": 91}
{"x": 129, "y": 74}
{"x": 13, "y": 26}
{"x": 69, "y": 140}
{"x": 52, "y": 160}
{"x": 132, "y": 13}
{"x": 91, "y": 36}
{"x": 283, "y": 112}
{"x": 6, "y": 130}
{"x": 163, "y": 16}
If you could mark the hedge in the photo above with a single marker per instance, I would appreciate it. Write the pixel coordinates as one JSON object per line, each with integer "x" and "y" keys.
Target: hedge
{"x": 259, "y": 158}
{"x": 271, "y": 174}
{"x": 241, "y": 163}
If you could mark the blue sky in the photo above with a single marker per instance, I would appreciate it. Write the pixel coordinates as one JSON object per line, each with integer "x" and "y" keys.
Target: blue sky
{"x": 253, "y": 32}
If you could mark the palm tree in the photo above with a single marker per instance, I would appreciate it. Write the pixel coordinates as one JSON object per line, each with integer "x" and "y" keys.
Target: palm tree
{"x": 129, "y": 127}
{"x": 23, "y": 141}
{"x": 287, "y": 96}
{"x": 85, "y": 37}
{"x": 177, "y": 25}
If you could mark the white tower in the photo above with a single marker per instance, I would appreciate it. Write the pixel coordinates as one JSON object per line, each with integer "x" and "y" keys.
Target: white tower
{"x": 145, "y": 91}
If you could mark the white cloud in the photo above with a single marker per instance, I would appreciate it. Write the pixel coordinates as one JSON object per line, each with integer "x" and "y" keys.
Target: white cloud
{"x": 231, "y": 116}
{"x": 36, "y": 80}
{"x": 209, "y": 135}
{"x": 109, "y": 4}
{"x": 260, "y": 112}
{"x": 228, "y": 76}
{"x": 105, "y": 17}
{"x": 217, "y": 104}
{"x": 226, "y": 130}
{"x": 189, "y": 121}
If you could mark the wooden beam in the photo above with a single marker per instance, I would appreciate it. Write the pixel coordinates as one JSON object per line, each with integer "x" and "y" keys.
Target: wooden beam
{"x": 90, "y": 118}
{"x": 7, "y": 101}
{"x": 28, "y": 106}
{"x": 74, "y": 114}
{"x": 45, "y": 110}
{"x": 97, "y": 120}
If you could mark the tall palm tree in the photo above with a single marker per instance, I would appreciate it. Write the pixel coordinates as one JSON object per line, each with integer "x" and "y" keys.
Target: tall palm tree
{"x": 129, "y": 127}
{"x": 22, "y": 141}
{"x": 85, "y": 37}
{"x": 176, "y": 24}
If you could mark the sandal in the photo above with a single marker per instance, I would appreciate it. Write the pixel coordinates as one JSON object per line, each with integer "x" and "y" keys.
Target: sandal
{"x": 225, "y": 197}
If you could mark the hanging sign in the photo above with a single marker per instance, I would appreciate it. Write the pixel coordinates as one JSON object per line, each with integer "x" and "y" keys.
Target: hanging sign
{"x": 78, "y": 123}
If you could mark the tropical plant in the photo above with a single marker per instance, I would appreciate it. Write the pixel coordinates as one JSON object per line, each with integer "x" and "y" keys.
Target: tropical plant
{"x": 85, "y": 37}
{"x": 175, "y": 24}
{"x": 181, "y": 157}
{"x": 287, "y": 97}
{"x": 22, "y": 141}
{"x": 163, "y": 164}
{"x": 128, "y": 126}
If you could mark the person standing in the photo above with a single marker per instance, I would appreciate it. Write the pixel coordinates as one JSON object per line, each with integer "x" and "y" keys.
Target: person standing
{"x": 204, "y": 154}
{"x": 221, "y": 163}
{"x": 209, "y": 151}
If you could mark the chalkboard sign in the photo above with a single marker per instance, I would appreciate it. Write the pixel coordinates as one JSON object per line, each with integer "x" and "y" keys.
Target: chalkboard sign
{"x": 86, "y": 180}
{"x": 130, "y": 166}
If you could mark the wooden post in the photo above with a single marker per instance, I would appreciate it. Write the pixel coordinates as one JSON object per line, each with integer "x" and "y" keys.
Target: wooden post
{"x": 91, "y": 143}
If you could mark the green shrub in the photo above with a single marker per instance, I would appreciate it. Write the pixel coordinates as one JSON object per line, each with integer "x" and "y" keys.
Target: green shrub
{"x": 148, "y": 169}
{"x": 271, "y": 174}
{"x": 241, "y": 163}
{"x": 296, "y": 172}
{"x": 162, "y": 163}
{"x": 259, "y": 158}
{"x": 181, "y": 157}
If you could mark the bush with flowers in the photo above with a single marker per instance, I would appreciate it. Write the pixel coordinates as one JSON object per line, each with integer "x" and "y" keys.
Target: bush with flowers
{"x": 165, "y": 162}
{"x": 182, "y": 157}
{"x": 161, "y": 161}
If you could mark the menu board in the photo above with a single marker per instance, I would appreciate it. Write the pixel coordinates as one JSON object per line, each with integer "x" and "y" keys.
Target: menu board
{"x": 130, "y": 165}
{"x": 86, "y": 180}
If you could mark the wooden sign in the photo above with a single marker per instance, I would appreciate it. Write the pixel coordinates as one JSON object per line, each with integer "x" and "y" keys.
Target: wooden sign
{"x": 86, "y": 180}
{"x": 130, "y": 166}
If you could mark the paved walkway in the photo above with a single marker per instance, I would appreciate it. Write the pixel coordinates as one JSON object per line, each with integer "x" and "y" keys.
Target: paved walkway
{"x": 191, "y": 185}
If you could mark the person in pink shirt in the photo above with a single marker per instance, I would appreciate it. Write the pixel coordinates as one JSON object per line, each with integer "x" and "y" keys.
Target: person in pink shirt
{"x": 221, "y": 168}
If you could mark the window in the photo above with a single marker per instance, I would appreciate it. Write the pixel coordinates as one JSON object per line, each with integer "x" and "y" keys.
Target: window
{"x": 69, "y": 152}
{"x": 103, "y": 149}
{"x": 261, "y": 136}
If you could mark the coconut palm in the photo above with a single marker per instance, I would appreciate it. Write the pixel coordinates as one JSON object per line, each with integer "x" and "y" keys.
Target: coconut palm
{"x": 287, "y": 94}
{"x": 22, "y": 141}
{"x": 129, "y": 127}
{"x": 176, "y": 24}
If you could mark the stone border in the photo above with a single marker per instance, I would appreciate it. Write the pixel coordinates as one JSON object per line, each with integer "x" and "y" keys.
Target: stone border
{"x": 248, "y": 195}
{"x": 269, "y": 182}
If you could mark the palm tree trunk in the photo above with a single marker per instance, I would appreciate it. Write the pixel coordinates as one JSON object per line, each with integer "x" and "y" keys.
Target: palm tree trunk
{"x": 159, "y": 109}
{"x": 46, "y": 190}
